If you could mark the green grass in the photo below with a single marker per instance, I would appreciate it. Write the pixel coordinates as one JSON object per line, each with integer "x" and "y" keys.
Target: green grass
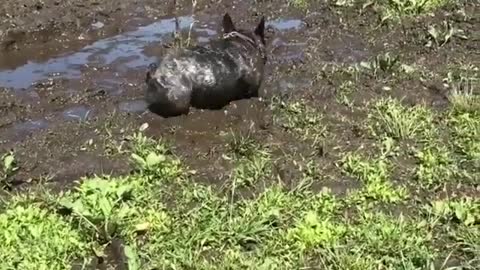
{"x": 389, "y": 117}
{"x": 33, "y": 237}
{"x": 395, "y": 9}
{"x": 435, "y": 166}
{"x": 376, "y": 179}
{"x": 398, "y": 9}
{"x": 168, "y": 221}
{"x": 300, "y": 119}
{"x": 8, "y": 168}
{"x": 464, "y": 84}
{"x": 300, "y": 4}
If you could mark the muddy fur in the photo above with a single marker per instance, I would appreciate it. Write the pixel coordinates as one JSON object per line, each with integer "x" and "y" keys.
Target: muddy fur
{"x": 209, "y": 76}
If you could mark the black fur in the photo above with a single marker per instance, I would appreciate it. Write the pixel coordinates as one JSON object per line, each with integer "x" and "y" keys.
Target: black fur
{"x": 209, "y": 76}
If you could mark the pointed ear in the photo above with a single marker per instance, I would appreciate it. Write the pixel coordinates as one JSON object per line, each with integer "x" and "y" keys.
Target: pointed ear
{"x": 228, "y": 24}
{"x": 260, "y": 30}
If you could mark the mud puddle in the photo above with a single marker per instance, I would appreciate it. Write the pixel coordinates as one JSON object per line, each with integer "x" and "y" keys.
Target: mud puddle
{"x": 124, "y": 50}
{"x": 120, "y": 53}
{"x": 112, "y": 64}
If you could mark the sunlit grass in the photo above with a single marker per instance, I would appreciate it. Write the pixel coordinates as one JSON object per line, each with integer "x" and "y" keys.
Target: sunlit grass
{"x": 390, "y": 117}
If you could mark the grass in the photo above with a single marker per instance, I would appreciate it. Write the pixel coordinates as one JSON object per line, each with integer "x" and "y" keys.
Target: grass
{"x": 395, "y": 10}
{"x": 9, "y": 167}
{"x": 463, "y": 82}
{"x": 435, "y": 166}
{"x": 398, "y": 9}
{"x": 168, "y": 221}
{"x": 34, "y": 238}
{"x": 389, "y": 117}
{"x": 300, "y": 4}
{"x": 438, "y": 36}
{"x": 375, "y": 176}
{"x": 300, "y": 119}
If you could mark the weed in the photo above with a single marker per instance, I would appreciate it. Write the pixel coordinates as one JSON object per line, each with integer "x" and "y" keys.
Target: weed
{"x": 465, "y": 133}
{"x": 435, "y": 166}
{"x": 300, "y": 4}
{"x": 35, "y": 238}
{"x": 463, "y": 83}
{"x": 316, "y": 231}
{"x": 154, "y": 159}
{"x": 381, "y": 64}
{"x": 394, "y": 242}
{"x": 252, "y": 169}
{"x": 469, "y": 242}
{"x": 389, "y": 117}
{"x": 101, "y": 205}
{"x": 243, "y": 146}
{"x": 375, "y": 174}
{"x": 9, "y": 168}
{"x": 465, "y": 100}
{"x": 397, "y": 9}
{"x": 344, "y": 92}
{"x": 465, "y": 210}
{"x": 301, "y": 119}
{"x": 178, "y": 40}
{"x": 439, "y": 36}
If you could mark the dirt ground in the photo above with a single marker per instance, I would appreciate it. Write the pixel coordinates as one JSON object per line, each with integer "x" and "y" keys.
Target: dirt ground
{"x": 71, "y": 79}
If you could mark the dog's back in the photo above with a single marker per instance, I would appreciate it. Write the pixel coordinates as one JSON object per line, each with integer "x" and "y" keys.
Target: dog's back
{"x": 208, "y": 76}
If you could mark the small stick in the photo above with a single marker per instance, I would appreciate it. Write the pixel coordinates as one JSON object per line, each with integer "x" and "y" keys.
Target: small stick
{"x": 194, "y": 4}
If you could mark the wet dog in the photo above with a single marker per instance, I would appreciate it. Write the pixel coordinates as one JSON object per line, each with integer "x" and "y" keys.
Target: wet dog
{"x": 209, "y": 76}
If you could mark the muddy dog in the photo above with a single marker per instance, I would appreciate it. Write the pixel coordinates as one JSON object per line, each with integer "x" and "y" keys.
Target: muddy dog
{"x": 210, "y": 76}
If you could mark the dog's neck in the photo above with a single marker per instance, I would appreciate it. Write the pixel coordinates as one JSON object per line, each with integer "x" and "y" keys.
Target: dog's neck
{"x": 239, "y": 35}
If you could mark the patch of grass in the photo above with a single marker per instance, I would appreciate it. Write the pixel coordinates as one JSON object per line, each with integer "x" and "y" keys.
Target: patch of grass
{"x": 301, "y": 119}
{"x": 36, "y": 238}
{"x": 469, "y": 245}
{"x": 375, "y": 175}
{"x": 382, "y": 64}
{"x": 465, "y": 134}
{"x": 300, "y": 4}
{"x": 251, "y": 170}
{"x": 393, "y": 242}
{"x": 101, "y": 205}
{"x": 389, "y": 117}
{"x": 344, "y": 92}
{"x": 458, "y": 219}
{"x": 436, "y": 166}
{"x": 252, "y": 161}
{"x": 243, "y": 146}
{"x": 438, "y": 36}
{"x": 168, "y": 221}
{"x": 397, "y": 9}
{"x": 313, "y": 231}
{"x": 154, "y": 158}
{"x": 9, "y": 167}
{"x": 465, "y": 210}
{"x": 466, "y": 100}
{"x": 464, "y": 84}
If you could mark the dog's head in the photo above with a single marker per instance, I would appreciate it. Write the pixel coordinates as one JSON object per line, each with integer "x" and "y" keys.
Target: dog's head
{"x": 255, "y": 37}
